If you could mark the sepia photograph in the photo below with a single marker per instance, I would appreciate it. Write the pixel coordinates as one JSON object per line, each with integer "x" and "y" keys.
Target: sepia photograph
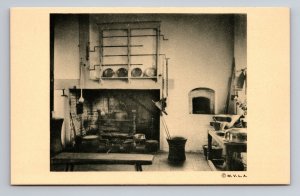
{"x": 148, "y": 92}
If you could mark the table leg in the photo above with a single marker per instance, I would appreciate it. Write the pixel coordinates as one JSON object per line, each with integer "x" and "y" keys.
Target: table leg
{"x": 67, "y": 167}
{"x": 138, "y": 167}
{"x": 228, "y": 159}
{"x": 71, "y": 167}
{"x": 209, "y": 146}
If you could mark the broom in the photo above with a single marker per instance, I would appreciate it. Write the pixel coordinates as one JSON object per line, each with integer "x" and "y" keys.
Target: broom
{"x": 161, "y": 104}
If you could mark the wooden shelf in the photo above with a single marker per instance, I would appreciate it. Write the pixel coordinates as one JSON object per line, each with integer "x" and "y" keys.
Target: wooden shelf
{"x": 143, "y": 77}
{"x": 112, "y": 55}
{"x": 121, "y": 46}
{"x": 120, "y": 64}
{"x": 123, "y": 58}
{"x": 113, "y": 36}
{"x": 114, "y": 78}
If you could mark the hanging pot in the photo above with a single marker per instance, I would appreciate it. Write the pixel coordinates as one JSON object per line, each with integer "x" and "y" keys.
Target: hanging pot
{"x": 90, "y": 143}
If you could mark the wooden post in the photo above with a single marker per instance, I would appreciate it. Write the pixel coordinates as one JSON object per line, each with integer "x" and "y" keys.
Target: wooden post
{"x": 209, "y": 146}
{"x": 133, "y": 121}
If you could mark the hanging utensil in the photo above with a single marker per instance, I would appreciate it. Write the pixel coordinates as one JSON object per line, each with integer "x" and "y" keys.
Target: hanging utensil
{"x": 81, "y": 99}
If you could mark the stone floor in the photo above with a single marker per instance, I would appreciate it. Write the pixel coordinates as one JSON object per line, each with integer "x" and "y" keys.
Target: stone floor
{"x": 194, "y": 162}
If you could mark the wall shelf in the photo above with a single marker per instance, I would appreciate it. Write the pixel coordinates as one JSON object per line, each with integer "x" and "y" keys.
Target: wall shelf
{"x": 111, "y": 55}
{"x": 118, "y": 47}
{"x": 143, "y": 78}
{"x": 115, "y": 36}
{"x": 114, "y": 78}
{"x": 139, "y": 64}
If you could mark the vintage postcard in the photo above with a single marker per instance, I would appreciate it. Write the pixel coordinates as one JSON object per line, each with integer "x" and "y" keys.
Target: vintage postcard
{"x": 150, "y": 96}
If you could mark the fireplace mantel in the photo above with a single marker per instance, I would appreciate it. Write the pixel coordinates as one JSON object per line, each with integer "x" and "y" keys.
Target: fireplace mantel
{"x": 60, "y": 84}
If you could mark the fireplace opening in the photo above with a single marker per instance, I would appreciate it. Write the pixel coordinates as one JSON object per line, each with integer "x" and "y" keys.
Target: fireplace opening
{"x": 116, "y": 115}
{"x": 201, "y": 105}
{"x": 202, "y": 101}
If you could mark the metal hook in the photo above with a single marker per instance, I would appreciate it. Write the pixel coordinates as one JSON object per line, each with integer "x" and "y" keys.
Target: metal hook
{"x": 63, "y": 93}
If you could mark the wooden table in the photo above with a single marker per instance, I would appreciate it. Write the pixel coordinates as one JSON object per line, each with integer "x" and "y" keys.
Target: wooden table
{"x": 228, "y": 147}
{"x": 71, "y": 159}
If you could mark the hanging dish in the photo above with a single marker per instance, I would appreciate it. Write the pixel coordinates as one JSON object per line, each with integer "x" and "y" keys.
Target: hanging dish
{"x": 136, "y": 72}
{"x": 122, "y": 72}
{"x": 108, "y": 73}
{"x": 150, "y": 72}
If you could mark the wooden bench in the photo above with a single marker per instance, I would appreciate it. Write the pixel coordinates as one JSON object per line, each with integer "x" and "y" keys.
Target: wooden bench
{"x": 71, "y": 159}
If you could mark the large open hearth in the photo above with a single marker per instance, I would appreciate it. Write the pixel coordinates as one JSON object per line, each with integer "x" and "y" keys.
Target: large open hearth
{"x": 115, "y": 120}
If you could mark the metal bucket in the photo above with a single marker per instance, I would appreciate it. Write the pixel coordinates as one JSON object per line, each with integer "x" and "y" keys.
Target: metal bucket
{"x": 90, "y": 143}
{"x": 151, "y": 146}
{"x": 177, "y": 149}
{"x": 129, "y": 145}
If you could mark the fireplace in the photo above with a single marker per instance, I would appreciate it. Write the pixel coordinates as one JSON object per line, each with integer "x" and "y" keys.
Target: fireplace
{"x": 116, "y": 116}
